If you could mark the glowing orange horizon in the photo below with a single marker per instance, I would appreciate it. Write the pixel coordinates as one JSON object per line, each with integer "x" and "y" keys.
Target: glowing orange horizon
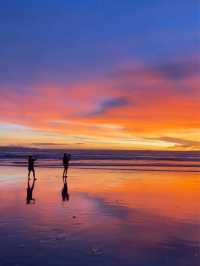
{"x": 154, "y": 114}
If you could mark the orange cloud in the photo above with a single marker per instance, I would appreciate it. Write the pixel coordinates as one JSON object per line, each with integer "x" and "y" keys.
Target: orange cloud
{"x": 126, "y": 109}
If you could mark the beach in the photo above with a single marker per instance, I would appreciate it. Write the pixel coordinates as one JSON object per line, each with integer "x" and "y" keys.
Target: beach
{"x": 112, "y": 217}
{"x": 100, "y": 133}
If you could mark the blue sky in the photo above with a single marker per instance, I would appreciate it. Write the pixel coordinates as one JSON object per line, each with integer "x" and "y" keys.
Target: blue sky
{"x": 61, "y": 41}
{"x": 127, "y": 68}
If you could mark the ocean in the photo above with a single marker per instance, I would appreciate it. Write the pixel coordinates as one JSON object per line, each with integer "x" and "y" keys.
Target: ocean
{"x": 105, "y": 159}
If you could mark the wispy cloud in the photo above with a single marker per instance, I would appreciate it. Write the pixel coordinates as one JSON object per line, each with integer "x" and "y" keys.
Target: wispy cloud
{"x": 105, "y": 105}
{"x": 134, "y": 108}
{"x": 173, "y": 70}
{"x": 182, "y": 143}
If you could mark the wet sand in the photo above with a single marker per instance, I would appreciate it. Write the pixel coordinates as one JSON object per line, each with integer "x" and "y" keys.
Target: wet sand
{"x": 140, "y": 218}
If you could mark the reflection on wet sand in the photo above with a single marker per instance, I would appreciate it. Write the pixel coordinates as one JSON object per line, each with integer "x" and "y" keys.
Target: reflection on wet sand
{"x": 64, "y": 193}
{"x": 114, "y": 218}
{"x": 29, "y": 191}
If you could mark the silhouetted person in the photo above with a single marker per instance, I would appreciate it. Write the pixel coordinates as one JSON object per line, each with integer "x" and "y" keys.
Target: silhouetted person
{"x": 31, "y": 162}
{"x": 66, "y": 159}
{"x": 29, "y": 191}
{"x": 65, "y": 194}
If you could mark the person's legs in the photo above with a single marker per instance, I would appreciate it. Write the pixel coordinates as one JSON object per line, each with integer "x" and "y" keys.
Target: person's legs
{"x": 64, "y": 176}
{"x": 28, "y": 184}
{"x": 29, "y": 172}
{"x": 66, "y": 169}
{"x": 33, "y": 173}
{"x": 63, "y": 173}
{"x": 33, "y": 184}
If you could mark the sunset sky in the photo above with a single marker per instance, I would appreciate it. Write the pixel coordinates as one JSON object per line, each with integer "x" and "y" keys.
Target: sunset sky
{"x": 100, "y": 74}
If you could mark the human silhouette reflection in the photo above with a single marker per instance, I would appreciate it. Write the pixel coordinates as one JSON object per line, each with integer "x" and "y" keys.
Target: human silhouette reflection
{"x": 64, "y": 193}
{"x": 29, "y": 191}
{"x": 31, "y": 162}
